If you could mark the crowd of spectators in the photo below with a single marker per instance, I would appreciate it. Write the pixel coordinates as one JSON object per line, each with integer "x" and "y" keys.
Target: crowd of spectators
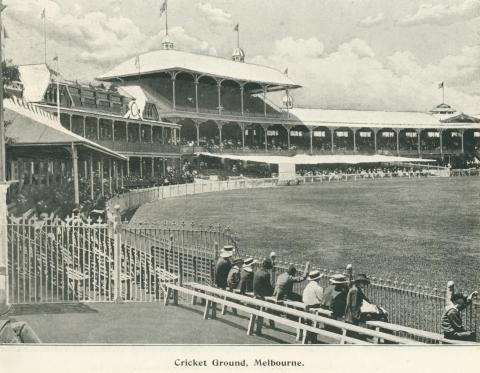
{"x": 344, "y": 296}
{"x": 334, "y": 173}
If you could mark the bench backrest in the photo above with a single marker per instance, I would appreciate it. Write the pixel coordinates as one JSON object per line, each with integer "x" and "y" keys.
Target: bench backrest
{"x": 305, "y": 315}
{"x": 278, "y": 319}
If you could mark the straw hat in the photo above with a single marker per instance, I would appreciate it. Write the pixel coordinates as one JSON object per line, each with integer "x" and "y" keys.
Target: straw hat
{"x": 361, "y": 278}
{"x": 314, "y": 275}
{"x": 248, "y": 262}
{"x": 338, "y": 279}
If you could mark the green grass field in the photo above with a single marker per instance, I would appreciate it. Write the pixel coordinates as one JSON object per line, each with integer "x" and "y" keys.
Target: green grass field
{"x": 424, "y": 231}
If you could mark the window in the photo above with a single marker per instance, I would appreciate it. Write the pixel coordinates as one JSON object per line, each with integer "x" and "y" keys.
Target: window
{"x": 272, "y": 133}
{"x": 433, "y": 134}
{"x": 455, "y": 134}
{"x": 319, "y": 134}
{"x": 366, "y": 134}
{"x": 342, "y": 133}
{"x": 388, "y": 134}
{"x": 410, "y": 134}
{"x": 296, "y": 133}
{"x": 476, "y": 134}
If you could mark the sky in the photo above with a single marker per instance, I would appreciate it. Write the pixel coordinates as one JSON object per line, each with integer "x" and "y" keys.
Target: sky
{"x": 347, "y": 54}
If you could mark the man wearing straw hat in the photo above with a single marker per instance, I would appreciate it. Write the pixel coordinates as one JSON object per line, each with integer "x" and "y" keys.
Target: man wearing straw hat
{"x": 335, "y": 295}
{"x": 313, "y": 292}
{"x": 355, "y": 298}
{"x": 246, "y": 276}
{"x": 284, "y": 284}
{"x": 223, "y": 267}
{"x": 452, "y": 324}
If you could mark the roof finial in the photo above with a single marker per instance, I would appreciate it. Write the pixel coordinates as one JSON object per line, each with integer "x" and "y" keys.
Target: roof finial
{"x": 238, "y": 53}
{"x": 167, "y": 44}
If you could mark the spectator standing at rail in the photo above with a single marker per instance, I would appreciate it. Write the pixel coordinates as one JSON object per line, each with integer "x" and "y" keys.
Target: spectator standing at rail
{"x": 335, "y": 296}
{"x": 452, "y": 324}
{"x": 355, "y": 298}
{"x": 313, "y": 292}
{"x": 246, "y": 276}
{"x": 223, "y": 267}
{"x": 285, "y": 282}
{"x": 233, "y": 278}
{"x": 262, "y": 285}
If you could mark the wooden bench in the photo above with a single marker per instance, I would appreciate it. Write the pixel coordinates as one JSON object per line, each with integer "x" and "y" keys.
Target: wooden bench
{"x": 263, "y": 305}
{"x": 255, "y": 313}
{"x": 425, "y": 335}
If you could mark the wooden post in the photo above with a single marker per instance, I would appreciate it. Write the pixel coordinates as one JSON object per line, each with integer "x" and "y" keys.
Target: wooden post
{"x": 75, "y": 174}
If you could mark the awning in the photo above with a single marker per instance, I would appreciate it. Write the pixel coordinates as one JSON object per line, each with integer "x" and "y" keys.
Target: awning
{"x": 319, "y": 159}
{"x": 28, "y": 125}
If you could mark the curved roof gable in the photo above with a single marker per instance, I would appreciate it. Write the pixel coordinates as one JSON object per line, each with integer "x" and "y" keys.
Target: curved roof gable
{"x": 167, "y": 60}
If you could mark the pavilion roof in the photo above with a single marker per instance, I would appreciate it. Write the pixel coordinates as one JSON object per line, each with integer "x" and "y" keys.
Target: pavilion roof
{"x": 27, "y": 124}
{"x": 174, "y": 60}
{"x": 367, "y": 118}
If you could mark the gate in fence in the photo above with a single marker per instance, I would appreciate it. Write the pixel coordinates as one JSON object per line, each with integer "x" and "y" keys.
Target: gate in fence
{"x": 73, "y": 260}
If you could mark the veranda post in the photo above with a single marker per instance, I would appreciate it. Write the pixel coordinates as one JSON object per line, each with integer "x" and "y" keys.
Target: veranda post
{"x": 4, "y": 304}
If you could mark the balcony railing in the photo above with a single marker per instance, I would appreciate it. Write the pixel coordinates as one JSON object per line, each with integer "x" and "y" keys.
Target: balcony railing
{"x": 137, "y": 147}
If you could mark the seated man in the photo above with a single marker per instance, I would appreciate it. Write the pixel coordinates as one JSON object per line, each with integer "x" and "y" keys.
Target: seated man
{"x": 452, "y": 324}
{"x": 284, "y": 284}
{"x": 223, "y": 267}
{"x": 246, "y": 276}
{"x": 335, "y": 296}
{"x": 262, "y": 286}
{"x": 233, "y": 278}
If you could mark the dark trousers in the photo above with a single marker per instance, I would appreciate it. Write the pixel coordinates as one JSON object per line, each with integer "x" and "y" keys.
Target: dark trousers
{"x": 461, "y": 336}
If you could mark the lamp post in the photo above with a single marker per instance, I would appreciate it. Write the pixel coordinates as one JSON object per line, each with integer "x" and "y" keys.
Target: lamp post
{"x": 4, "y": 304}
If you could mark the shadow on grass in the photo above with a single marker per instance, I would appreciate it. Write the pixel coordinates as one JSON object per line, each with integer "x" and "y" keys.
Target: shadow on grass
{"x": 50, "y": 308}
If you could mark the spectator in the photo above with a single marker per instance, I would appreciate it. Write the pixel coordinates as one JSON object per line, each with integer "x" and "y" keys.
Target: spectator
{"x": 335, "y": 296}
{"x": 452, "y": 324}
{"x": 223, "y": 267}
{"x": 15, "y": 331}
{"x": 246, "y": 276}
{"x": 284, "y": 284}
{"x": 262, "y": 286}
{"x": 313, "y": 292}
{"x": 355, "y": 298}
{"x": 233, "y": 278}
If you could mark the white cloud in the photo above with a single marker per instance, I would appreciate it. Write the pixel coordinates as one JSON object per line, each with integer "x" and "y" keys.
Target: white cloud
{"x": 215, "y": 16}
{"x": 351, "y": 76}
{"x": 371, "y": 21}
{"x": 100, "y": 38}
{"x": 441, "y": 14}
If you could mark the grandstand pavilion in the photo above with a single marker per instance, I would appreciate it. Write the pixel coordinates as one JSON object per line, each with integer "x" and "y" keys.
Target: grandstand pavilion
{"x": 165, "y": 105}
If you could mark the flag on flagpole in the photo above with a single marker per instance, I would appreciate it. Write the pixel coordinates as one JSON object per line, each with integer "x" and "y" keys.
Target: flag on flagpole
{"x": 441, "y": 85}
{"x": 55, "y": 58}
{"x": 236, "y": 27}
{"x": 286, "y": 71}
{"x": 163, "y": 8}
{"x": 43, "y": 13}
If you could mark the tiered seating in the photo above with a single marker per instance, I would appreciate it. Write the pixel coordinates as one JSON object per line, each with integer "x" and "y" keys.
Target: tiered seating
{"x": 263, "y": 309}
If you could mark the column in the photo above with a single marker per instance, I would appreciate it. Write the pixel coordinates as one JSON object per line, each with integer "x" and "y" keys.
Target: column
{"x": 153, "y": 167}
{"x": 31, "y": 171}
{"x": 141, "y": 167}
{"x": 440, "y": 135}
{"x": 397, "y": 131}
{"x": 196, "y": 93}
{"x": 220, "y": 125}
{"x": 164, "y": 166}
{"x": 110, "y": 189}
{"x": 92, "y": 195}
{"x": 265, "y": 100}
{"x": 242, "y": 89}
{"x": 375, "y": 130}
{"x": 100, "y": 174}
{"x": 47, "y": 174}
{"x": 419, "y": 132}
{"x": 219, "y": 88}
{"x": 174, "y": 77}
{"x": 242, "y": 126}
{"x": 197, "y": 126}
{"x": 98, "y": 128}
{"x": 115, "y": 173}
{"x": 140, "y": 133}
{"x": 121, "y": 177}
{"x": 332, "y": 134}
{"x": 75, "y": 175}
{"x": 461, "y": 134}
{"x": 113, "y": 131}
{"x": 163, "y": 135}
{"x": 354, "y": 140}
{"x": 84, "y": 125}
{"x": 126, "y": 132}
{"x": 4, "y": 301}
{"x": 288, "y": 135}
{"x": 128, "y": 166}
{"x": 265, "y": 133}
{"x": 70, "y": 122}
{"x": 311, "y": 140}
{"x": 151, "y": 134}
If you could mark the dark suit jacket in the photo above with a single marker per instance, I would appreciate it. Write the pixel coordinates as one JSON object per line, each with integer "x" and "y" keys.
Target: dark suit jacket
{"x": 262, "y": 286}
{"x": 246, "y": 281}
{"x": 221, "y": 272}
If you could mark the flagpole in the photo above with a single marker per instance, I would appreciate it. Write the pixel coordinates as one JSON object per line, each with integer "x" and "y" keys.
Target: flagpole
{"x": 238, "y": 37}
{"x": 45, "y": 33}
{"x": 443, "y": 93}
{"x": 166, "y": 17}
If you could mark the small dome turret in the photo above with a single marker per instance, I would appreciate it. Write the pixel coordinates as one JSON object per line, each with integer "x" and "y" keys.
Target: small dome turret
{"x": 238, "y": 55}
{"x": 167, "y": 43}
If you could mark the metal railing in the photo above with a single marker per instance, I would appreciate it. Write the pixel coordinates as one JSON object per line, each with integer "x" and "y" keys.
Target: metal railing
{"x": 135, "y": 198}
{"x": 466, "y": 172}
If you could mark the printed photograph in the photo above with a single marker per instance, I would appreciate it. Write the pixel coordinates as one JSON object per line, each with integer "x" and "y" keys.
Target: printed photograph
{"x": 219, "y": 172}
